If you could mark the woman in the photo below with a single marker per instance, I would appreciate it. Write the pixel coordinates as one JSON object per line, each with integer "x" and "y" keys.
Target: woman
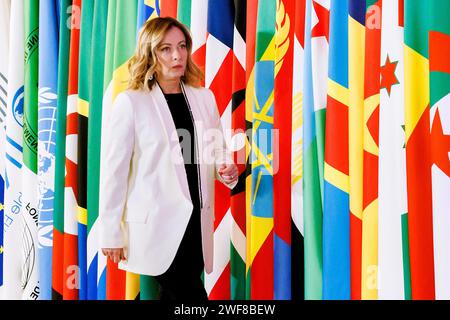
{"x": 157, "y": 190}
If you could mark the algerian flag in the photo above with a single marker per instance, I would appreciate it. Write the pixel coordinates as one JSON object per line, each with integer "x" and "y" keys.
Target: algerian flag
{"x": 393, "y": 251}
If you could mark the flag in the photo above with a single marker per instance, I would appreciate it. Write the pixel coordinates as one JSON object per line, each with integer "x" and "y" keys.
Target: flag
{"x": 48, "y": 83}
{"x": 13, "y": 199}
{"x": 218, "y": 78}
{"x": 30, "y": 276}
{"x": 60, "y": 154}
{"x": 146, "y": 10}
{"x": 95, "y": 288}
{"x": 83, "y": 106}
{"x": 169, "y": 8}
{"x": 108, "y": 273}
{"x": 356, "y": 38}
{"x": 418, "y": 20}
{"x": 393, "y": 251}
{"x": 369, "y": 254}
{"x": 5, "y": 7}
{"x": 261, "y": 259}
{"x": 126, "y": 17}
{"x": 284, "y": 42}
{"x": 297, "y": 230}
{"x": 237, "y": 200}
{"x": 252, "y": 14}
{"x": 119, "y": 48}
{"x": 316, "y": 71}
{"x": 184, "y": 12}
{"x": 70, "y": 264}
{"x": 336, "y": 219}
{"x": 199, "y": 23}
{"x": 439, "y": 45}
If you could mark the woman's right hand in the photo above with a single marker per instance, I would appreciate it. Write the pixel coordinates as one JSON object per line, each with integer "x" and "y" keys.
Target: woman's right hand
{"x": 115, "y": 254}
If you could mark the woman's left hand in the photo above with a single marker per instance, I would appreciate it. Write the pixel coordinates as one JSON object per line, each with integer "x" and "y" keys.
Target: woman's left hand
{"x": 229, "y": 173}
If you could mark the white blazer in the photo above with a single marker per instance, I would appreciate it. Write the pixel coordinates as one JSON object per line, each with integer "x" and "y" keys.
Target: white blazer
{"x": 145, "y": 203}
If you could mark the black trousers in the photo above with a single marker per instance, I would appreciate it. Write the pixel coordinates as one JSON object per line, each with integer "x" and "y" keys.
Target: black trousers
{"x": 182, "y": 281}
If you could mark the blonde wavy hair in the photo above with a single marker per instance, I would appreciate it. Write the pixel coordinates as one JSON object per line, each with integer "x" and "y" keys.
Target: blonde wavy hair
{"x": 143, "y": 66}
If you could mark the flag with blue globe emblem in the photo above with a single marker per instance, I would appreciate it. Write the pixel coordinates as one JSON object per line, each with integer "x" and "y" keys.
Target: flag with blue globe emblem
{"x": 47, "y": 103}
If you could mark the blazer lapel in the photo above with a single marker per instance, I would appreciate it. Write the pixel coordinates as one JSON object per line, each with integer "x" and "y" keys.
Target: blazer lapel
{"x": 165, "y": 116}
{"x": 195, "y": 102}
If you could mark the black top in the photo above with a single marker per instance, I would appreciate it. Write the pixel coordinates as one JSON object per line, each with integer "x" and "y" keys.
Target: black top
{"x": 186, "y": 134}
{"x": 188, "y": 262}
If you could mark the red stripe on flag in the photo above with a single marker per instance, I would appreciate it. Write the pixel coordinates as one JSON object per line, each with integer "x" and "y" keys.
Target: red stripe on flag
{"x": 252, "y": 10}
{"x": 373, "y": 124}
{"x": 238, "y": 75}
{"x": 262, "y": 272}
{"x": 440, "y": 145}
{"x": 370, "y": 182}
{"x": 72, "y": 124}
{"x": 74, "y": 47}
{"x": 439, "y": 52}
{"x": 221, "y": 207}
{"x": 221, "y": 85}
{"x": 336, "y": 145}
{"x": 115, "y": 282}
{"x": 300, "y": 8}
{"x": 71, "y": 177}
{"x": 355, "y": 256}
{"x": 401, "y": 13}
{"x": 58, "y": 261}
{"x": 168, "y": 8}
{"x": 283, "y": 123}
{"x": 70, "y": 267}
{"x": 420, "y": 208}
{"x": 221, "y": 290}
{"x": 199, "y": 57}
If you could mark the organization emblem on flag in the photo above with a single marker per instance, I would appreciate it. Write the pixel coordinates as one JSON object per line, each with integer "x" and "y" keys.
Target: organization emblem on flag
{"x": 17, "y": 106}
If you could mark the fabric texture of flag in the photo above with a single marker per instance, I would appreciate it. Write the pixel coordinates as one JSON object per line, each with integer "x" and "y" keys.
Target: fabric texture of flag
{"x": 60, "y": 154}
{"x": 237, "y": 201}
{"x": 369, "y": 254}
{"x": 5, "y": 9}
{"x": 393, "y": 251}
{"x": 336, "y": 219}
{"x": 338, "y": 114}
{"x": 47, "y": 106}
{"x": 418, "y": 20}
{"x": 439, "y": 46}
{"x": 297, "y": 230}
{"x": 30, "y": 273}
{"x": 252, "y": 14}
{"x": 218, "y": 78}
{"x": 184, "y": 12}
{"x": 284, "y": 42}
{"x": 96, "y": 285}
{"x": 261, "y": 257}
{"x": 84, "y": 80}
{"x": 356, "y": 38}
{"x": 315, "y": 73}
{"x": 70, "y": 264}
{"x": 13, "y": 203}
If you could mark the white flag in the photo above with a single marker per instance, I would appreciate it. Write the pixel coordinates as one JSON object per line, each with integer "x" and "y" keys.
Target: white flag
{"x": 13, "y": 259}
{"x": 392, "y": 198}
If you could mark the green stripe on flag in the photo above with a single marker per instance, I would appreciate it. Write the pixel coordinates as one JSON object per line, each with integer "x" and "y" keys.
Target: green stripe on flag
{"x": 406, "y": 264}
{"x": 184, "y": 12}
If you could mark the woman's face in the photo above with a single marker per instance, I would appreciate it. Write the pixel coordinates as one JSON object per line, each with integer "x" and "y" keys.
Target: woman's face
{"x": 172, "y": 55}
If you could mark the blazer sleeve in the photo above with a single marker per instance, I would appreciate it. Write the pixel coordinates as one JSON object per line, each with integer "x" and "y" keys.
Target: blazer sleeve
{"x": 118, "y": 148}
{"x": 221, "y": 153}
